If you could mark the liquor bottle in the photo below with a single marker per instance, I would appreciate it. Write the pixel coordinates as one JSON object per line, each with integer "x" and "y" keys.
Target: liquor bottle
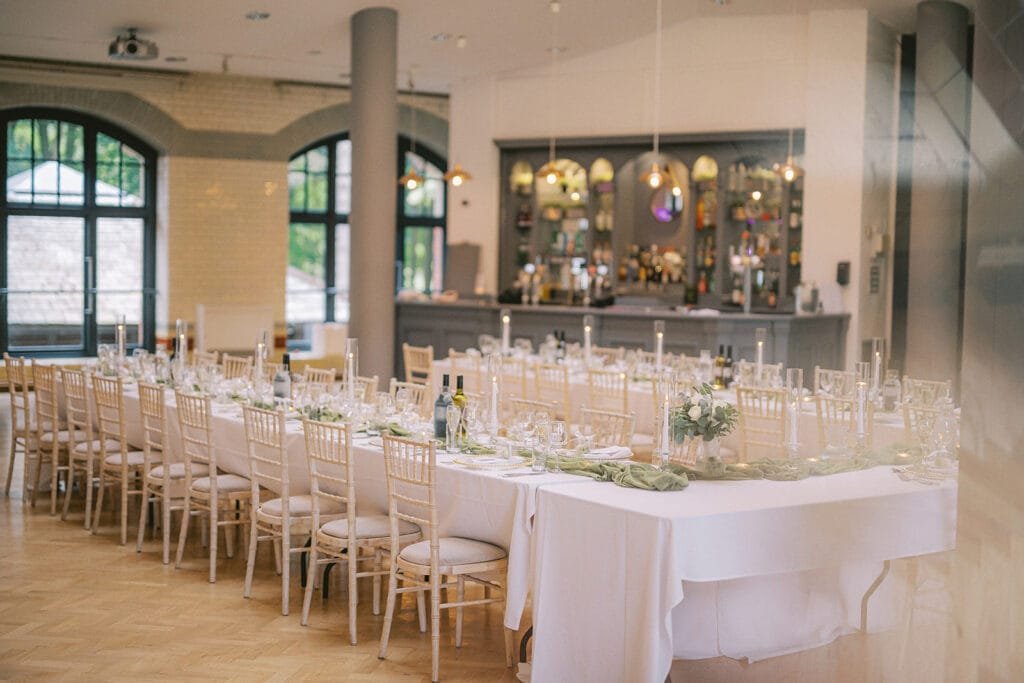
{"x": 444, "y": 399}
{"x": 727, "y": 370}
{"x": 702, "y": 284}
{"x": 283, "y": 379}
{"x": 719, "y": 371}
{"x": 460, "y": 401}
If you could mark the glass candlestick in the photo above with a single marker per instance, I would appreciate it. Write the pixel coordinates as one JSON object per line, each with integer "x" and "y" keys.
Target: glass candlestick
{"x": 351, "y": 366}
{"x": 588, "y": 329}
{"x": 760, "y": 339}
{"x": 659, "y": 343}
{"x": 794, "y": 401}
{"x": 506, "y": 332}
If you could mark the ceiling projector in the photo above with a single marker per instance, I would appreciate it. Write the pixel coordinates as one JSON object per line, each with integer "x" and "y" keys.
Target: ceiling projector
{"x": 131, "y": 47}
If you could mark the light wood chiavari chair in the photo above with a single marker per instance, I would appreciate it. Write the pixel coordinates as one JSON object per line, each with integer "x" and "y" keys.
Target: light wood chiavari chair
{"x": 762, "y": 421}
{"x": 609, "y": 355}
{"x": 551, "y": 383}
{"x": 163, "y": 480}
{"x": 271, "y": 369}
{"x": 274, "y": 514}
{"x": 519, "y": 408}
{"x": 333, "y": 488}
{"x": 324, "y": 376}
{"x": 23, "y": 429}
{"x": 419, "y": 363}
{"x": 608, "y": 390}
{"x": 410, "y": 468}
{"x": 214, "y": 493}
{"x": 467, "y": 365}
{"x": 82, "y": 457}
{"x": 841, "y": 413}
{"x": 513, "y": 375}
{"x": 119, "y": 465}
{"x": 839, "y": 383}
{"x": 201, "y": 358}
{"x": 236, "y": 366}
{"x": 924, "y": 392}
{"x": 609, "y": 428}
{"x": 52, "y": 441}
{"x": 419, "y": 395}
{"x": 368, "y": 387}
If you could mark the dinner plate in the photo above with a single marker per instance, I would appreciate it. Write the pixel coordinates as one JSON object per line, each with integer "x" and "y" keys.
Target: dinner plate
{"x": 609, "y": 453}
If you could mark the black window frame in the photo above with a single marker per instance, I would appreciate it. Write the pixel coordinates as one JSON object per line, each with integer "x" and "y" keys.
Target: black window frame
{"x": 90, "y": 212}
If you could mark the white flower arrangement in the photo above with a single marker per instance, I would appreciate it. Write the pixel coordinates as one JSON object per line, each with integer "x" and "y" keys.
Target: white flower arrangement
{"x": 702, "y": 415}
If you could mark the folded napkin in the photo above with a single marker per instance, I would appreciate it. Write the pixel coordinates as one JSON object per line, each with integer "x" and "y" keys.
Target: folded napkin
{"x": 608, "y": 453}
{"x": 634, "y": 475}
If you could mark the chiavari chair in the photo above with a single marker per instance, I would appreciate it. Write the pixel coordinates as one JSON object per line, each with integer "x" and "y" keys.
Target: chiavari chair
{"x": 762, "y": 420}
{"x": 419, "y": 363}
{"x": 551, "y": 383}
{"x": 23, "y": 429}
{"x": 119, "y": 464}
{"x": 52, "y": 441}
{"x": 82, "y": 456}
{"x": 608, "y": 390}
{"x": 236, "y": 366}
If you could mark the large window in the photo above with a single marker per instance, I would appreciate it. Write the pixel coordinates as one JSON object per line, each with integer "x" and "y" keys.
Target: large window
{"x": 76, "y": 234}
{"x": 320, "y": 197}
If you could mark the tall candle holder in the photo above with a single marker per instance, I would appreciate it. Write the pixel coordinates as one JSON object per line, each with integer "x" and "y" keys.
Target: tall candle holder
{"x": 260, "y": 358}
{"x": 119, "y": 337}
{"x": 794, "y": 401}
{"x": 506, "y": 331}
{"x": 665, "y": 443}
{"x": 351, "y": 367}
{"x": 659, "y": 343}
{"x": 760, "y": 339}
{"x": 877, "y": 365}
{"x": 588, "y": 330}
{"x": 861, "y": 395}
{"x": 493, "y": 368}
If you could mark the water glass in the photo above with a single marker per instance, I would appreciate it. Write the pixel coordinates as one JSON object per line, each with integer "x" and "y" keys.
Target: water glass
{"x": 453, "y": 419}
{"x": 540, "y": 459}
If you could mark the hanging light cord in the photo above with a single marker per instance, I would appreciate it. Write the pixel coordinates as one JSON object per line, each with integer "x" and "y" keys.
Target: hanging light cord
{"x": 657, "y": 81}
{"x": 412, "y": 96}
{"x": 551, "y": 83}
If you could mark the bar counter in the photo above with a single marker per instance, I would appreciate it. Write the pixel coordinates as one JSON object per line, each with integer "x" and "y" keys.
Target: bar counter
{"x": 796, "y": 341}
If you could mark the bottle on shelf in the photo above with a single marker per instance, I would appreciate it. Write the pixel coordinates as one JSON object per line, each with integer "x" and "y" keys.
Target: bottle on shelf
{"x": 283, "y": 379}
{"x": 444, "y": 399}
{"x": 719, "y": 371}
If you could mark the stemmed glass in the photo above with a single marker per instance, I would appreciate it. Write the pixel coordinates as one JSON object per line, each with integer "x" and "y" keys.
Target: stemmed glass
{"x": 584, "y": 434}
{"x": 557, "y": 439}
{"x": 825, "y": 383}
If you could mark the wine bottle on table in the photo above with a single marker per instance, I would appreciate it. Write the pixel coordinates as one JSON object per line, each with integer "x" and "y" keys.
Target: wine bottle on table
{"x": 444, "y": 399}
{"x": 283, "y": 379}
{"x": 719, "y": 371}
{"x": 727, "y": 370}
{"x": 460, "y": 401}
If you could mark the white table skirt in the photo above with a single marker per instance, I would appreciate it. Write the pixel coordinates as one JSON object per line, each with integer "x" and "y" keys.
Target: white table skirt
{"x": 771, "y": 567}
{"x": 477, "y": 504}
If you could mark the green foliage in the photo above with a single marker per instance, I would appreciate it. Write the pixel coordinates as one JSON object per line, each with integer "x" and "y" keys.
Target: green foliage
{"x": 307, "y": 247}
{"x": 704, "y": 416}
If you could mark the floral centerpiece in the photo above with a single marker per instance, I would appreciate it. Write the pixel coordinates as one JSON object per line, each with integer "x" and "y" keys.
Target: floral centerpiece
{"x": 703, "y": 420}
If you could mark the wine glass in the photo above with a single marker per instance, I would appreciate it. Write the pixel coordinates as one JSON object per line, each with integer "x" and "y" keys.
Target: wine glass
{"x": 584, "y": 434}
{"x": 825, "y": 383}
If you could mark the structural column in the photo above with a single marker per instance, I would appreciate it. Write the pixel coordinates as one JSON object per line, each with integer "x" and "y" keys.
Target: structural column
{"x": 374, "y": 134}
{"x": 938, "y": 184}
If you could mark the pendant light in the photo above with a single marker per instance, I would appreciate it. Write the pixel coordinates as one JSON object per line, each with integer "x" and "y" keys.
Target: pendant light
{"x": 789, "y": 170}
{"x": 410, "y": 180}
{"x": 457, "y": 175}
{"x": 655, "y": 177}
{"x": 550, "y": 171}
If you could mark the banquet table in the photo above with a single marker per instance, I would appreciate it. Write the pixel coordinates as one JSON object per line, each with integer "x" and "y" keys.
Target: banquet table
{"x": 472, "y": 503}
{"x": 627, "y": 579}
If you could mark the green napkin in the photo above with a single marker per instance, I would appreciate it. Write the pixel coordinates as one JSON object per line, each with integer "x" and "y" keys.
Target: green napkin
{"x": 634, "y": 475}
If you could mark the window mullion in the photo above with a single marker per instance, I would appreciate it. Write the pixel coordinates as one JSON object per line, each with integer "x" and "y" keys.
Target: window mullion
{"x": 330, "y": 267}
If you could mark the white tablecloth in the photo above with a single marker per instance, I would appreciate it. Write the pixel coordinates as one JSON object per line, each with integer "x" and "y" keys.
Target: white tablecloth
{"x": 478, "y": 504}
{"x": 765, "y": 567}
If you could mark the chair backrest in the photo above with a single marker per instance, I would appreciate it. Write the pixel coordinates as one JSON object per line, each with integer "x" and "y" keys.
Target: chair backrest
{"x": 918, "y": 421}
{"x": 410, "y": 469}
{"x": 513, "y": 375}
{"x": 419, "y": 394}
{"x": 79, "y": 407}
{"x": 268, "y": 459}
{"x": 44, "y": 380}
{"x": 22, "y": 417}
{"x": 841, "y": 412}
{"x": 609, "y": 428}
{"x": 771, "y": 374}
{"x": 518, "y": 408}
{"x": 608, "y": 354}
{"x": 839, "y": 383}
{"x": 236, "y": 366}
{"x": 196, "y": 443}
{"x": 368, "y": 387}
{"x": 762, "y": 420}
{"x": 925, "y": 393}
{"x": 467, "y": 365}
{"x": 331, "y": 472}
{"x": 270, "y": 369}
{"x": 200, "y": 358}
{"x": 153, "y": 415}
{"x": 108, "y": 406}
{"x": 419, "y": 363}
{"x": 323, "y": 376}
{"x": 551, "y": 383}
{"x": 608, "y": 390}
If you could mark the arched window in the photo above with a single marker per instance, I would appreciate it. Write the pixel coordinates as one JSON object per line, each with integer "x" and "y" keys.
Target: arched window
{"x": 77, "y": 234}
{"x": 320, "y": 199}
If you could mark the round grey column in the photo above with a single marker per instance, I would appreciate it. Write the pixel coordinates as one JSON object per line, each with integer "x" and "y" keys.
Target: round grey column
{"x": 374, "y": 134}
{"x": 938, "y": 184}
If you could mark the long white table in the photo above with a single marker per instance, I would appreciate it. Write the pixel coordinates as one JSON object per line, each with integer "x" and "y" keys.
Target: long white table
{"x": 478, "y": 504}
{"x": 626, "y": 579}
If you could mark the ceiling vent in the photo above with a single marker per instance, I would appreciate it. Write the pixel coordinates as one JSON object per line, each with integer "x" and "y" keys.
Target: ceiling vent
{"x": 131, "y": 47}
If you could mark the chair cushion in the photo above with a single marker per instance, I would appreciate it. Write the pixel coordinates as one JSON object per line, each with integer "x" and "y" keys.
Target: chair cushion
{"x": 63, "y": 436}
{"x": 370, "y": 526}
{"x": 83, "y": 447}
{"x": 177, "y": 471}
{"x": 300, "y": 506}
{"x": 135, "y": 459}
{"x": 453, "y": 551}
{"x": 225, "y": 483}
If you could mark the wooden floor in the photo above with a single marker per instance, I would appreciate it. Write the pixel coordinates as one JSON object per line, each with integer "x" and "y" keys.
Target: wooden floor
{"x": 79, "y": 607}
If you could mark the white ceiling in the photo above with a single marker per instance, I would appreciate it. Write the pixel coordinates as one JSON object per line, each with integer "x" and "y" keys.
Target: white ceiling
{"x": 308, "y": 40}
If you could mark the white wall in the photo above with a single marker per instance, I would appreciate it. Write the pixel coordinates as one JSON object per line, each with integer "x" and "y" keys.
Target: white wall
{"x": 748, "y": 73}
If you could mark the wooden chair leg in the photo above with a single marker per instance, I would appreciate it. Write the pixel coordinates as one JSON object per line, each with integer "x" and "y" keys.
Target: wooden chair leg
{"x": 250, "y": 564}
{"x": 54, "y": 478}
{"x": 377, "y": 555}
{"x": 421, "y": 609}
{"x": 307, "y": 598}
{"x": 286, "y": 556}
{"x": 435, "y": 627}
{"x": 68, "y": 488}
{"x": 89, "y": 477}
{"x": 460, "y": 596}
{"x": 124, "y": 507}
{"x": 277, "y": 556}
{"x": 10, "y": 465}
{"x": 143, "y": 512}
{"x": 186, "y": 515}
{"x": 214, "y": 536}
{"x": 165, "y": 507}
{"x": 353, "y": 592}
{"x": 389, "y": 611}
{"x": 229, "y": 530}
{"x": 99, "y": 502}
{"x": 510, "y": 647}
